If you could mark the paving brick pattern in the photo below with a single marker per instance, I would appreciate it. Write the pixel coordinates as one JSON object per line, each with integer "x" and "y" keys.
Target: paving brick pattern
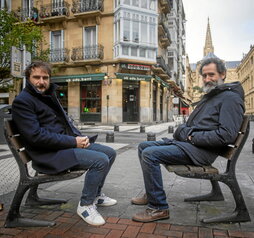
{"x": 69, "y": 225}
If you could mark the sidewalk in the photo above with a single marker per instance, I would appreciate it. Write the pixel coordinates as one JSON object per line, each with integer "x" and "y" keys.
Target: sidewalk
{"x": 124, "y": 182}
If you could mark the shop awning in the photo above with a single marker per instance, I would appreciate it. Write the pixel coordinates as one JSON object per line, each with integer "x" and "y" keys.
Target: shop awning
{"x": 159, "y": 80}
{"x": 77, "y": 78}
{"x": 133, "y": 77}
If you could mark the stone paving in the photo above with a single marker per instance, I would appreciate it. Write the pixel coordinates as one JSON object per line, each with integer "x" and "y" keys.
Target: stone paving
{"x": 125, "y": 181}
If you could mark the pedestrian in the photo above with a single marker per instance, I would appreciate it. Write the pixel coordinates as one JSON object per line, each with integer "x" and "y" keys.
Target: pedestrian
{"x": 55, "y": 145}
{"x": 212, "y": 125}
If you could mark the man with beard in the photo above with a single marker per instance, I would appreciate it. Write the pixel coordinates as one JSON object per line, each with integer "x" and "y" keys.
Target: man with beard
{"x": 55, "y": 145}
{"x": 213, "y": 124}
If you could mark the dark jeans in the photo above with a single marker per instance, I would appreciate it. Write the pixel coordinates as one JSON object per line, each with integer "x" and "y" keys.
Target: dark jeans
{"x": 151, "y": 155}
{"x": 98, "y": 159}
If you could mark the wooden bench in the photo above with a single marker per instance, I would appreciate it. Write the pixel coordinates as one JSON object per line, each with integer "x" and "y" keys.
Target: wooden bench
{"x": 228, "y": 177}
{"x": 29, "y": 182}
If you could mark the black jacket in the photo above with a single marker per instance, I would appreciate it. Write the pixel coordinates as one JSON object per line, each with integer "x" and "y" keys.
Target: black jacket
{"x": 47, "y": 132}
{"x": 213, "y": 124}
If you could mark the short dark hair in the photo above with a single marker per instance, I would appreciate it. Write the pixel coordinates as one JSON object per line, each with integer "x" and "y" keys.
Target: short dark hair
{"x": 221, "y": 68}
{"x": 37, "y": 64}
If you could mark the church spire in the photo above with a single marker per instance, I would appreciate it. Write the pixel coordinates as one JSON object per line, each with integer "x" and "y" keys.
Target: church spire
{"x": 208, "y": 41}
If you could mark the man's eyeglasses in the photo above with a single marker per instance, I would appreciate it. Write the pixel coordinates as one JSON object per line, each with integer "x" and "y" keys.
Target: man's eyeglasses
{"x": 209, "y": 75}
{"x": 39, "y": 77}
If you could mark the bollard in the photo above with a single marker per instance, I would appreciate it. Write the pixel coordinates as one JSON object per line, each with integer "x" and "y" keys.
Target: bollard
{"x": 142, "y": 129}
{"x": 110, "y": 137}
{"x": 170, "y": 129}
{"x": 116, "y": 128}
{"x": 151, "y": 136}
{"x": 253, "y": 145}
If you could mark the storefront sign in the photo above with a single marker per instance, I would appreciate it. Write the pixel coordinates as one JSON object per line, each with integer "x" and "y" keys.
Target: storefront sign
{"x": 136, "y": 67}
{"x": 78, "y": 78}
{"x": 133, "y": 77}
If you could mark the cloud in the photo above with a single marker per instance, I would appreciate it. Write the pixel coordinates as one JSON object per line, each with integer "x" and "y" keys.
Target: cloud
{"x": 231, "y": 24}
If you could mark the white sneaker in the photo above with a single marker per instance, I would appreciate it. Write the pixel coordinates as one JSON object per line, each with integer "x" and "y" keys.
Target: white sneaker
{"x": 104, "y": 201}
{"x": 90, "y": 215}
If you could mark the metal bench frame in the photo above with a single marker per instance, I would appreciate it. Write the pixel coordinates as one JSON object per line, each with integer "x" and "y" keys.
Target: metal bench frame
{"x": 231, "y": 153}
{"x": 29, "y": 182}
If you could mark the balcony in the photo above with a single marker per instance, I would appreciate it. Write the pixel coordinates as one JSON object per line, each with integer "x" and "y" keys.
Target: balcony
{"x": 59, "y": 55}
{"x": 88, "y": 53}
{"x": 166, "y": 6}
{"x": 161, "y": 68}
{"x": 163, "y": 32}
{"x": 26, "y": 14}
{"x": 80, "y": 7}
{"x": 55, "y": 12}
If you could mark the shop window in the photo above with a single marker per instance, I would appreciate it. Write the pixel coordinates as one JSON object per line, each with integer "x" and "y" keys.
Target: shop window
{"x": 62, "y": 95}
{"x": 91, "y": 98}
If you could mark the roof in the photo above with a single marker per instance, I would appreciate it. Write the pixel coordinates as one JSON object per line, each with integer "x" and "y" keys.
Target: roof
{"x": 232, "y": 64}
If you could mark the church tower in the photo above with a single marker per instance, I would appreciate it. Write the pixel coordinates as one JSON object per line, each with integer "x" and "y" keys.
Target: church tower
{"x": 208, "y": 48}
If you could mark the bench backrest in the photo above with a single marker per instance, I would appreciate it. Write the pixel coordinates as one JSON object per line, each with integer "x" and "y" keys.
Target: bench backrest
{"x": 231, "y": 152}
{"x": 16, "y": 145}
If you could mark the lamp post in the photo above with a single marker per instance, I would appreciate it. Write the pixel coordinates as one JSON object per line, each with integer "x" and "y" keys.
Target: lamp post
{"x": 107, "y": 82}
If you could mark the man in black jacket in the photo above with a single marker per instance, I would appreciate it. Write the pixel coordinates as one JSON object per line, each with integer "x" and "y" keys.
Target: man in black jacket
{"x": 55, "y": 145}
{"x": 213, "y": 124}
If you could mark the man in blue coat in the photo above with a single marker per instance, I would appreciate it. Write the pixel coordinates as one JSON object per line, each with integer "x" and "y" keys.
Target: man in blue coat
{"x": 55, "y": 145}
{"x": 213, "y": 124}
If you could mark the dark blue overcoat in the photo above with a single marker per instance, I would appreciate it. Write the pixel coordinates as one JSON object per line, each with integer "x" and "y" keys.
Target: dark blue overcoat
{"x": 48, "y": 133}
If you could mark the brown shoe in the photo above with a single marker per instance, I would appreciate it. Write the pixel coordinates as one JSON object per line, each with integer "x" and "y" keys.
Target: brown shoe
{"x": 140, "y": 200}
{"x": 151, "y": 215}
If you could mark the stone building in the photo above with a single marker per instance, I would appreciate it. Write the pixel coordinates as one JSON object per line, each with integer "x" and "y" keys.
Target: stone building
{"x": 110, "y": 57}
{"x": 245, "y": 72}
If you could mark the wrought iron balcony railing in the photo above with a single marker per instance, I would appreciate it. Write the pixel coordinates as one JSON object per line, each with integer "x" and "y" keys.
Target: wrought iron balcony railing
{"x": 161, "y": 63}
{"x": 79, "y": 6}
{"x": 25, "y": 14}
{"x": 87, "y": 53}
{"x": 59, "y": 55}
{"x": 60, "y": 8}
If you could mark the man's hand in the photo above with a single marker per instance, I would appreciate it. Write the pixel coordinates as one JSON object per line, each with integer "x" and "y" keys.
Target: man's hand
{"x": 82, "y": 141}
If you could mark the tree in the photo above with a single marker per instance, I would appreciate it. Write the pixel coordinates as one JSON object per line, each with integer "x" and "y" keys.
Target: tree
{"x": 15, "y": 33}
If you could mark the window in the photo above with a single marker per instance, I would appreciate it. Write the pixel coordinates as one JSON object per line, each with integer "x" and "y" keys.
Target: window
{"x": 125, "y": 50}
{"x": 90, "y": 36}
{"x": 144, "y": 30}
{"x": 57, "y": 53}
{"x": 144, "y": 3}
{"x": 90, "y": 101}
{"x": 135, "y": 3}
{"x": 142, "y": 52}
{"x": 134, "y": 51}
{"x": 126, "y": 29}
{"x": 5, "y": 4}
{"x": 135, "y": 31}
{"x": 127, "y": 2}
{"x": 152, "y": 4}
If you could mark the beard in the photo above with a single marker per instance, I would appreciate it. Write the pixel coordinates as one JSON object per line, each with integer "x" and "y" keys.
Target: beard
{"x": 209, "y": 86}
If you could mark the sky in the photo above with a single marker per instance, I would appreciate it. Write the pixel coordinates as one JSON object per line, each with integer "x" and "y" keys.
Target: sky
{"x": 231, "y": 23}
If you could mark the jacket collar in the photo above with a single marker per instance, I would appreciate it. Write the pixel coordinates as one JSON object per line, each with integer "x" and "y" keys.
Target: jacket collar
{"x": 31, "y": 89}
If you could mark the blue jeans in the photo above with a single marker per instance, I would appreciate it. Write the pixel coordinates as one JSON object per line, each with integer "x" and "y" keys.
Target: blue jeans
{"x": 151, "y": 155}
{"x": 98, "y": 159}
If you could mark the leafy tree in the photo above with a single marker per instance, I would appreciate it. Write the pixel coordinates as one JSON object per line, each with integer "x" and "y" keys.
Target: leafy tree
{"x": 16, "y": 33}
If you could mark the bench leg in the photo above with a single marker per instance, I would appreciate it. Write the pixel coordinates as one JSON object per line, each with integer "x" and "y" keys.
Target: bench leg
{"x": 14, "y": 219}
{"x": 240, "y": 213}
{"x": 214, "y": 195}
{"x": 34, "y": 200}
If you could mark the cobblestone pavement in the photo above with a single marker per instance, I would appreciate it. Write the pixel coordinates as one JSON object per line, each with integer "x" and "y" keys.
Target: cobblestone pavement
{"x": 124, "y": 182}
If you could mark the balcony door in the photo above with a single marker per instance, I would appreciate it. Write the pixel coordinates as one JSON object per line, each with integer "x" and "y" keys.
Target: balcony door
{"x": 90, "y": 43}
{"x": 57, "y": 46}
{"x": 27, "y": 10}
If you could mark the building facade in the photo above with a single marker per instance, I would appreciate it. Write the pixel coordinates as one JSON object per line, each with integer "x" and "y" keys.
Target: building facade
{"x": 110, "y": 58}
{"x": 245, "y": 72}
